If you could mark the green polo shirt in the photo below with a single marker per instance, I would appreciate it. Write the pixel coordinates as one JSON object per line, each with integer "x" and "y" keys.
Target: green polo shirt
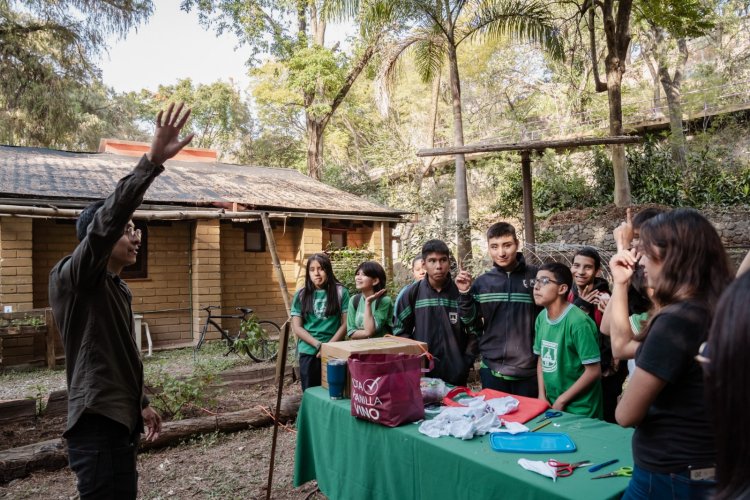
{"x": 564, "y": 345}
{"x": 320, "y": 326}
{"x": 382, "y": 312}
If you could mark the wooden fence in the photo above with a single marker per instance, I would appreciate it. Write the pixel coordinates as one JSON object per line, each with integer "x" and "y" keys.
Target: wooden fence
{"x": 29, "y": 338}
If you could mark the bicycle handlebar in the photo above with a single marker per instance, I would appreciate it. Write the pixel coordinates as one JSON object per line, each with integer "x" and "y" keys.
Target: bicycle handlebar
{"x": 245, "y": 310}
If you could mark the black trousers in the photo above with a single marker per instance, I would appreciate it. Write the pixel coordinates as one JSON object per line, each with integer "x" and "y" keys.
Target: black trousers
{"x": 525, "y": 387}
{"x": 102, "y": 453}
{"x": 309, "y": 370}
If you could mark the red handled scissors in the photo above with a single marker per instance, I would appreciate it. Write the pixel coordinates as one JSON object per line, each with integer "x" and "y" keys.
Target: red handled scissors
{"x": 565, "y": 469}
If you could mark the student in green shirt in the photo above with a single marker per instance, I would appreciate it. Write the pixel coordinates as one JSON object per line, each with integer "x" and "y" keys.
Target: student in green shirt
{"x": 318, "y": 316}
{"x": 370, "y": 311}
{"x": 569, "y": 369}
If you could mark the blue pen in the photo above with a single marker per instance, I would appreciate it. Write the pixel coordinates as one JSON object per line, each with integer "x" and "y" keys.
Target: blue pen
{"x": 601, "y": 466}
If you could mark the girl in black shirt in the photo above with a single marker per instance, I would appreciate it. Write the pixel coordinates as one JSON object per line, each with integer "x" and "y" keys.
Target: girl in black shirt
{"x": 673, "y": 444}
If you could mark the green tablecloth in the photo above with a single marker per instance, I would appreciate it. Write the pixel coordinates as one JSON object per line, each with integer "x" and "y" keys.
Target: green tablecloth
{"x": 355, "y": 459}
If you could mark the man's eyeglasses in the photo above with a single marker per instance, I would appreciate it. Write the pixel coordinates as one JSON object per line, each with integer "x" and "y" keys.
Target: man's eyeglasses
{"x": 543, "y": 281}
{"x": 132, "y": 232}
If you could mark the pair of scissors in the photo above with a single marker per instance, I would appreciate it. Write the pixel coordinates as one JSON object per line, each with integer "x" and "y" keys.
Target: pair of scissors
{"x": 622, "y": 471}
{"x": 551, "y": 414}
{"x": 565, "y": 469}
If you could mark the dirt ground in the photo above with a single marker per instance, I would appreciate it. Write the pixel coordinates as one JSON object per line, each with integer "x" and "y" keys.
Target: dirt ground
{"x": 209, "y": 466}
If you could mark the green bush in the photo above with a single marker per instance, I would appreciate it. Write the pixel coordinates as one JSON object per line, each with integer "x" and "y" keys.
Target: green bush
{"x": 505, "y": 174}
{"x": 174, "y": 395}
{"x": 345, "y": 261}
{"x": 712, "y": 178}
{"x": 558, "y": 185}
{"x": 604, "y": 177}
{"x": 653, "y": 177}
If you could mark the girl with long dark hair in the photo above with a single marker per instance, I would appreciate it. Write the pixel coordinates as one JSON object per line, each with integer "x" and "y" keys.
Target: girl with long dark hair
{"x": 673, "y": 444}
{"x": 318, "y": 316}
{"x": 370, "y": 310}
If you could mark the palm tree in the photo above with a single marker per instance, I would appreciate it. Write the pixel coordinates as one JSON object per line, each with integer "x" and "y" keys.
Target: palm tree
{"x": 438, "y": 27}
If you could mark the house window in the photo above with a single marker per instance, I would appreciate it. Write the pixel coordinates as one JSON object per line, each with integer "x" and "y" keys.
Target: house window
{"x": 255, "y": 238}
{"x": 140, "y": 268}
{"x": 338, "y": 238}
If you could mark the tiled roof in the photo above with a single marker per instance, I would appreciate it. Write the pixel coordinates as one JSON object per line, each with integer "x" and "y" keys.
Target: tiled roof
{"x": 50, "y": 174}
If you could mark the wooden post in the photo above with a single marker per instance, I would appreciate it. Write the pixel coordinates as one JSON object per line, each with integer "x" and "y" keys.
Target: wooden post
{"x": 50, "y": 337}
{"x": 276, "y": 263}
{"x": 284, "y": 341}
{"x": 280, "y": 362}
{"x": 528, "y": 202}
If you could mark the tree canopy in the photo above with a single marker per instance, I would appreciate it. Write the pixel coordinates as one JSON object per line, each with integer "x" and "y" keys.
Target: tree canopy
{"x": 47, "y": 54}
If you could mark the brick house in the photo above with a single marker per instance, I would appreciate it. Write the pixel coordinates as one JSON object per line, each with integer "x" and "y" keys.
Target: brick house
{"x": 203, "y": 240}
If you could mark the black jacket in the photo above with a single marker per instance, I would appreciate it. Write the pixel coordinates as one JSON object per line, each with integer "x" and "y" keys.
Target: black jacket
{"x": 433, "y": 318}
{"x": 92, "y": 308}
{"x": 500, "y": 307}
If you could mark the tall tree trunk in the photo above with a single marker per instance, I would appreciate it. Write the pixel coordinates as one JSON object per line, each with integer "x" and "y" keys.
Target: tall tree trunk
{"x": 463, "y": 228}
{"x": 617, "y": 34}
{"x": 431, "y": 126}
{"x": 316, "y": 125}
{"x": 315, "y": 130}
{"x": 672, "y": 90}
{"x": 614, "y": 93}
{"x": 655, "y": 78}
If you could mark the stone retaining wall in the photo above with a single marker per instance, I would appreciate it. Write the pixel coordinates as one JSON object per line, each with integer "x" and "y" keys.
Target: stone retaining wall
{"x": 733, "y": 226}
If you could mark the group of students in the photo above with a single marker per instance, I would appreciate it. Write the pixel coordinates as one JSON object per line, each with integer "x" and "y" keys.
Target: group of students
{"x": 560, "y": 334}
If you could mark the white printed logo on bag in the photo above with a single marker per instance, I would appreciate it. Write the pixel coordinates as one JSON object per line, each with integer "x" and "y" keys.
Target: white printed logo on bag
{"x": 371, "y": 386}
{"x": 549, "y": 356}
{"x": 365, "y": 401}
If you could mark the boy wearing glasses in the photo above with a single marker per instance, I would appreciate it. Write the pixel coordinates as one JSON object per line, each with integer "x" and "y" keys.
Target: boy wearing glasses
{"x": 569, "y": 368}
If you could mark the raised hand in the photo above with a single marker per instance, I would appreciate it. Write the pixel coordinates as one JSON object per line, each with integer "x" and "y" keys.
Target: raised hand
{"x": 622, "y": 266}
{"x": 375, "y": 296}
{"x": 590, "y": 294}
{"x": 463, "y": 280}
{"x": 603, "y": 301}
{"x": 166, "y": 142}
{"x": 623, "y": 233}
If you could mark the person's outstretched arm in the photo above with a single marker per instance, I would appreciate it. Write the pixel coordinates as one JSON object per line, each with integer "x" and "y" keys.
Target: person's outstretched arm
{"x": 624, "y": 345}
{"x": 89, "y": 260}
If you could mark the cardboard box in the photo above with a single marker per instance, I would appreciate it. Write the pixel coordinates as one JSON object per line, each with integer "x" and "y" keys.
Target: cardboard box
{"x": 381, "y": 345}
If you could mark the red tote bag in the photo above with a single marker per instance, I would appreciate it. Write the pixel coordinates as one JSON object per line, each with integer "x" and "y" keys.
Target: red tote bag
{"x": 385, "y": 388}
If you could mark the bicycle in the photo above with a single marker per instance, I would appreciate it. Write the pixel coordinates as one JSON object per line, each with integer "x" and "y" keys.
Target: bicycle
{"x": 264, "y": 348}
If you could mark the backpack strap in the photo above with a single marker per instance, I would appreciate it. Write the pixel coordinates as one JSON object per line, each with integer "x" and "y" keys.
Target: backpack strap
{"x": 356, "y": 300}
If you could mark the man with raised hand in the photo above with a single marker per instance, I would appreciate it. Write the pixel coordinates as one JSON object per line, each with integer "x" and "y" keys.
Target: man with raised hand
{"x": 92, "y": 307}
{"x": 500, "y": 307}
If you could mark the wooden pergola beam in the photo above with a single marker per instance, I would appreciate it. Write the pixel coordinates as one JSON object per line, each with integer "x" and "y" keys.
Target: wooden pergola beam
{"x": 526, "y": 149}
{"x": 581, "y": 142}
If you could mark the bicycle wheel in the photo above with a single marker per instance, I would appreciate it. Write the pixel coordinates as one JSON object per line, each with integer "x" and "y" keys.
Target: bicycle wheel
{"x": 265, "y": 348}
{"x": 202, "y": 338}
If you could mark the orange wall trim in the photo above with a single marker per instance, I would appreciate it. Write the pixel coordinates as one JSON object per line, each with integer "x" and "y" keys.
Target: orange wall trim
{"x": 133, "y": 148}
